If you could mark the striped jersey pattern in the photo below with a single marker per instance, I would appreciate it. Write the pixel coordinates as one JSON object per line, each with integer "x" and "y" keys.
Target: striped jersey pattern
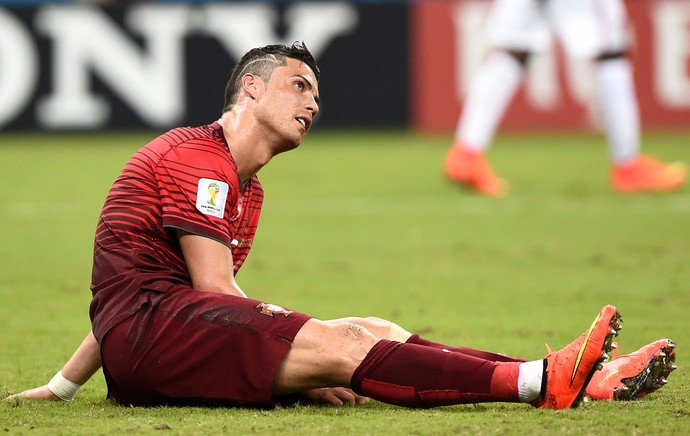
{"x": 175, "y": 181}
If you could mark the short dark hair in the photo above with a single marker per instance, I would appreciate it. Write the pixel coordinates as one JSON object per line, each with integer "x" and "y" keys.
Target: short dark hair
{"x": 262, "y": 61}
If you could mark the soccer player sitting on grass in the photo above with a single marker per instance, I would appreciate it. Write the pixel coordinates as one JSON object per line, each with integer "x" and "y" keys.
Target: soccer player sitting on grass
{"x": 170, "y": 325}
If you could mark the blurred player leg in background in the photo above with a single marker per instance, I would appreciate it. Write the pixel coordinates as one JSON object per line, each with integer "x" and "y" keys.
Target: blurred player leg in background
{"x": 491, "y": 92}
{"x": 588, "y": 29}
{"x": 632, "y": 172}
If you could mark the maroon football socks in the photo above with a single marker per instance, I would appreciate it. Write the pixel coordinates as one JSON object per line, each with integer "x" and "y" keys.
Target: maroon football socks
{"x": 429, "y": 375}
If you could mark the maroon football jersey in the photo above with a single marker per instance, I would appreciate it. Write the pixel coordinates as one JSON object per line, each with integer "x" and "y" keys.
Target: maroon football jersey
{"x": 187, "y": 179}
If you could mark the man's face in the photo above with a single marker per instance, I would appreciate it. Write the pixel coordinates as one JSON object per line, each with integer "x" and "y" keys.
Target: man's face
{"x": 289, "y": 103}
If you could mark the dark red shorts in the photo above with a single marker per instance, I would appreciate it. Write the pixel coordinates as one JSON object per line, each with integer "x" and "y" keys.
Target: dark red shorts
{"x": 199, "y": 348}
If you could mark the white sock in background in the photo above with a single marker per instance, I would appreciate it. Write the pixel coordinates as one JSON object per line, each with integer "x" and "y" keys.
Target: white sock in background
{"x": 491, "y": 91}
{"x": 619, "y": 108}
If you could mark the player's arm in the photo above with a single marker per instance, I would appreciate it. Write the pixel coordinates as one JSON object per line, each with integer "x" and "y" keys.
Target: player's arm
{"x": 209, "y": 264}
{"x": 85, "y": 361}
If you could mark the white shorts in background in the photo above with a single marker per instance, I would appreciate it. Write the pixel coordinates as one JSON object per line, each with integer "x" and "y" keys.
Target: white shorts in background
{"x": 585, "y": 28}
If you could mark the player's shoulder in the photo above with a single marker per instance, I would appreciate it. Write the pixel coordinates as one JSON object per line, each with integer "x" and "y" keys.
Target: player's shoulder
{"x": 206, "y": 134}
{"x": 188, "y": 141}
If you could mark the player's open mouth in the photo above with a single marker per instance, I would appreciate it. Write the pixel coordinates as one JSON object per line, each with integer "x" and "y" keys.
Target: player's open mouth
{"x": 303, "y": 122}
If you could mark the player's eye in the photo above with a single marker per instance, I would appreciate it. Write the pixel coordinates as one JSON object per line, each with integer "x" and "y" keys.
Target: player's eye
{"x": 299, "y": 85}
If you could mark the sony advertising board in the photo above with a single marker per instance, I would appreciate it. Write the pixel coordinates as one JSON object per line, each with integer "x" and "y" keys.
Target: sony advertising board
{"x": 76, "y": 66}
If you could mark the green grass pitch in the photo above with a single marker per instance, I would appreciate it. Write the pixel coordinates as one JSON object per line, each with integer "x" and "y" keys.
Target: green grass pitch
{"x": 364, "y": 223}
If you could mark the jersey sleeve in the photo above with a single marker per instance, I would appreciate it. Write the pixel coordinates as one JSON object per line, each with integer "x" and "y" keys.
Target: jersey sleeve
{"x": 199, "y": 189}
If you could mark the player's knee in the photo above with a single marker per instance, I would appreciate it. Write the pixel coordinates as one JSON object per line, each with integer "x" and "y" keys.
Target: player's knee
{"x": 352, "y": 342}
{"x": 330, "y": 356}
{"x": 356, "y": 331}
{"x": 381, "y": 328}
{"x": 324, "y": 353}
{"x": 377, "y": 326}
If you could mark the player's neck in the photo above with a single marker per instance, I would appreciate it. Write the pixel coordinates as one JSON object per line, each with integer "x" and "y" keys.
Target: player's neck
{"x": 248, "y": 150}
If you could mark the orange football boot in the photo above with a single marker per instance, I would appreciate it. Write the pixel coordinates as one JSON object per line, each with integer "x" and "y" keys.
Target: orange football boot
{"x": 569, "y": 370}
{"x": 636, "y": 374}
{"x": 470, "y": 168}
{"x": 645, "y": 174}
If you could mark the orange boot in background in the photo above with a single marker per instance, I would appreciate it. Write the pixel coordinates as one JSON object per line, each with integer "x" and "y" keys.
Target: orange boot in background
{"x": 645, "y": 174}
{"x": 471, "y": 169}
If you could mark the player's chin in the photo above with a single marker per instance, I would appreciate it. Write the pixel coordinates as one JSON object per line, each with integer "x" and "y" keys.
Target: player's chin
{"x": 287, "y": 146}
{"x": 292, "y": 142}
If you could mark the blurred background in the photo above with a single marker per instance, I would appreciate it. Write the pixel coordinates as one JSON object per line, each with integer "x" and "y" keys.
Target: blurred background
{"x": 121, "y": 65}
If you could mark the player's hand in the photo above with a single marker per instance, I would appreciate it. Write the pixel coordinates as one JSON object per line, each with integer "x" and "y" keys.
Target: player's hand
{"x": 40, "y": 393}
{"x": 333, "y": 396}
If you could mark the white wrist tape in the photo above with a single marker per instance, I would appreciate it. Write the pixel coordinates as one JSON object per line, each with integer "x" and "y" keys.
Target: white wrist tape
{"x": 63, "y": 388}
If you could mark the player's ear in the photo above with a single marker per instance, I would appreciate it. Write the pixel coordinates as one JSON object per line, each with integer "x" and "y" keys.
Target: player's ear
{"x": 250, "y": 84}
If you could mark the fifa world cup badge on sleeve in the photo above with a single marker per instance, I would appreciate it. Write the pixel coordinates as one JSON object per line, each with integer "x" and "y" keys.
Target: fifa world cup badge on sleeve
{"x": 210, "y": 197}
{"x": 272, "y": 309}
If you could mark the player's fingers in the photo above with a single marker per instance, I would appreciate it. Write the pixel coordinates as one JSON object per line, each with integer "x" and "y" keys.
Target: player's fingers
{"x": 40, "y": 393}
{"x": 359, "y": 399}
{"x": 348, "y": 396}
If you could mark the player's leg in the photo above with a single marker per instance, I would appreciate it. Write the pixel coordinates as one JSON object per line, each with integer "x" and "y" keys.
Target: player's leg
{"x": 515, "y": 28}
{"x": 494, "y": 357}
{"x": 598, "y": 30}
{"x": 412, "y": 375}
{"x": 345, "y": 354}
{"x": 419, "y": 376}
{"x": 632, "y": 171}
{"x": 490, "y": 93}
{"x": 379, "y": 327}
{"x": 626, "y": 377}
{"x": 323, "y": 354}
{"x": 618, "y": 105}
{"x": 216, "y": 349}
{"x": 353, "y": 336}
{"x": 385, "y": 329}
